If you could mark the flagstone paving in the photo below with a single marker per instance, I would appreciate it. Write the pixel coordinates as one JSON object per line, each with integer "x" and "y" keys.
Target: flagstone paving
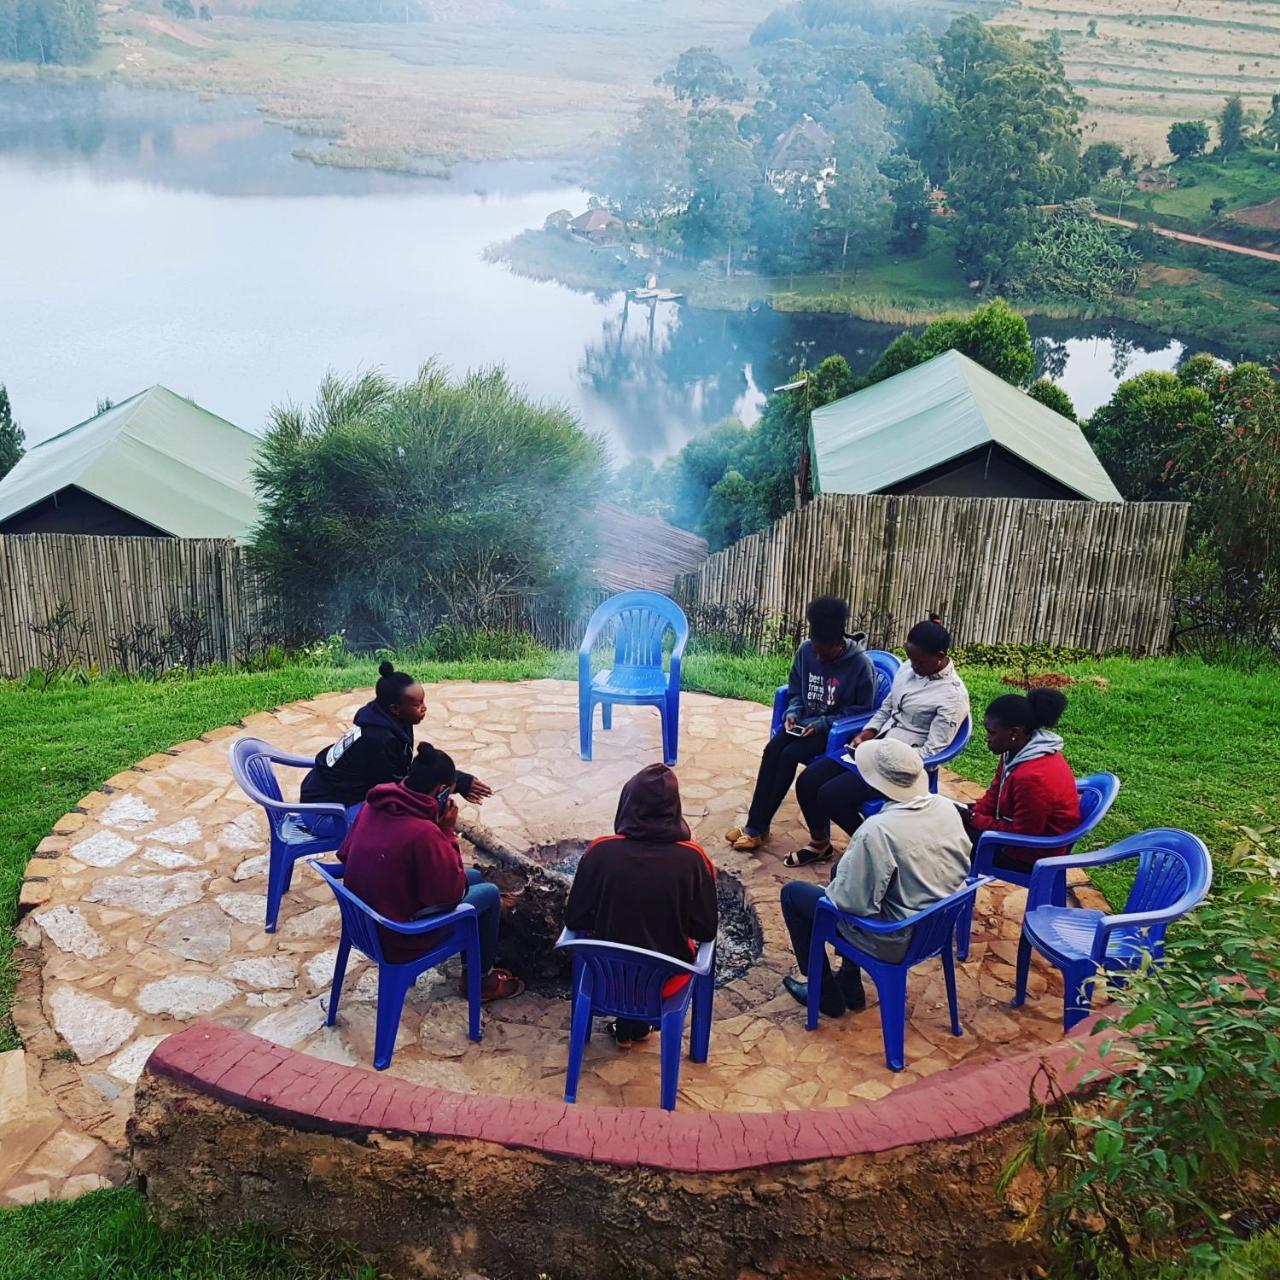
{"x": 145, "y": 909}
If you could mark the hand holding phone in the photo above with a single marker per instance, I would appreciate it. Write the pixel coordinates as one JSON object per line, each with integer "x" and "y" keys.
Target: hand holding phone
{"x": 795, "y": 730}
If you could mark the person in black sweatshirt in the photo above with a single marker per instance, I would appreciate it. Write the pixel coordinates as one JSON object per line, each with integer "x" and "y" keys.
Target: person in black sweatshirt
{"x": 831, "y": 677}
{"x": 648, "y": 885}
{"x": 379, "y": 748}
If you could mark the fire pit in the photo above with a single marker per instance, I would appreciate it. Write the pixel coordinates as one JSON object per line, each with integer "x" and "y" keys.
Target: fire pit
{"x": 535, "y": 885}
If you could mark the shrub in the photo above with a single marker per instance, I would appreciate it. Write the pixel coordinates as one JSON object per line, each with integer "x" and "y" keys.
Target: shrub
{"x": 452, "y": 643}
{"x": 1178, "y": 1155}
{"x": 388, "y": 509}
{"x": 1225, "y": 613}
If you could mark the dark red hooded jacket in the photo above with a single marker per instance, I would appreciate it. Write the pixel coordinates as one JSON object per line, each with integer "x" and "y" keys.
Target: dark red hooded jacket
{"x": 649, "y": 885}
{"x": 1035, "y": 798}
{"x": 399, "y": 859}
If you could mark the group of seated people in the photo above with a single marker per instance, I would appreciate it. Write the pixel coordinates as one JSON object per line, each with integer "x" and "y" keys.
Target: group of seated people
{"x": 649, "y": 885}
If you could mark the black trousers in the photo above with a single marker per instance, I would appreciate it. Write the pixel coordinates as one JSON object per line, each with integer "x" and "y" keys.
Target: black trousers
{"x": 828, "y": 792}
{"x": 799, "y": 905}
{"x": 784, "y": 754}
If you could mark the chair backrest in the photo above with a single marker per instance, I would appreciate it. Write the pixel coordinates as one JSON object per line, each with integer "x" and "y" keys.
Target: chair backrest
{"x": 1174, "y": 871}
{"x": 357, "y": 918}
{"x": 641, "y": 621}
{"x": 1097, "y": 792}
{"x": 886, "y": 665}
{"x": 954, "y": 747}
{"x": 625, "y": 981}
{"x": 933, "y": 928}
{"x": 251, "y": 768}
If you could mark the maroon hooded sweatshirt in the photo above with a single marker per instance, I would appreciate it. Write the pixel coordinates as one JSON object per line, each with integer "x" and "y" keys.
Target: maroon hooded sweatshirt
{"x": 649, "y": 885}
{"x": 400, "y": 859}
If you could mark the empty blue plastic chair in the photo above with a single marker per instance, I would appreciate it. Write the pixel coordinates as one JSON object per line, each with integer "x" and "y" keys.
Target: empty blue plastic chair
{"x": 297, "y": 830}
{"x": 886, "y": 666}
{"x": 932, "y": 934}
{"x": 1097, "y": 793}
{"x": 360, "y": 930}
{"x": 641, "y": 620}
{"x": 617, "y": 981}
{"x": 1174, "y": 874}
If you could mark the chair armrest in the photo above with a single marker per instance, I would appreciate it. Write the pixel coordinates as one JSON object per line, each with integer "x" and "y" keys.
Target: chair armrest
{"x": 989, "y": 841}
{"x": 286, "y": 809}
{"x": 1043, "y": 872}
{"x": 703, "y": 961}
{"x": 290, "y": 758}
{"x": 1138, "y": 919}
{"x": 971, "y": 886}
{"x": 677, "y": 649}
{"x": 845, "y": 728}
{"x": 700, "y": 965}
{"x": 673, "y": 676}
{"x": 594, "y": 628}
{"x": 411, "y": 927}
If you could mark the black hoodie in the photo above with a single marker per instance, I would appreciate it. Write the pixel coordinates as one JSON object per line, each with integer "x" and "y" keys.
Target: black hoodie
{"x": 649, "y": 885}
{"x": 379, "y": 749}
{"x": 819, "y": 693}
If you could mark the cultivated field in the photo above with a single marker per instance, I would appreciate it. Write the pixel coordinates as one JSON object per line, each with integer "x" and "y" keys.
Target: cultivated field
{"x": 1156, "y": 61}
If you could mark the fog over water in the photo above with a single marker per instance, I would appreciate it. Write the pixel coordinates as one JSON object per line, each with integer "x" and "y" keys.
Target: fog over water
{"x": 153, "y": 237}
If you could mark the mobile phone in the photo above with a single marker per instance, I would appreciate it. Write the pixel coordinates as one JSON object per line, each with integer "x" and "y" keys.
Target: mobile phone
{"x": 795, "y": 730}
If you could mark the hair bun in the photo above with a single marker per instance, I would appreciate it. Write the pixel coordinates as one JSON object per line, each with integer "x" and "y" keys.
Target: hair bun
{"x": 1047, "y": 705}
{"x": 386, "y": 668}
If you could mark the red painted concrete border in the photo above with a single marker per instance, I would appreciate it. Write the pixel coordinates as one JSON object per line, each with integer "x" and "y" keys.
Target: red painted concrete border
{"x": 307, "y": 1093}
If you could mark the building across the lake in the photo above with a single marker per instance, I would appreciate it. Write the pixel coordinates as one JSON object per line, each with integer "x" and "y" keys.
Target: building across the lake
{"x": 949, "y": 427}
{"x": 155, "y": 465}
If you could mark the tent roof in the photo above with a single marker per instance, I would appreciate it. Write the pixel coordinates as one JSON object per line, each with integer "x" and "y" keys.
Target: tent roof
{"x": 157, "y": 456}
{"x": 946, "y": 407}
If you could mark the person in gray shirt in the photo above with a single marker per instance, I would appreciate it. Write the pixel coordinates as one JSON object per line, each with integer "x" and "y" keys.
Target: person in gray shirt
{"x": 911, "y": 854}
{"x": 926, "y": 706}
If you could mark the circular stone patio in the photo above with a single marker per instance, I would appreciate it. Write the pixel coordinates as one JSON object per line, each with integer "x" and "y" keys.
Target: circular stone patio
{"x": 146, "y": 908}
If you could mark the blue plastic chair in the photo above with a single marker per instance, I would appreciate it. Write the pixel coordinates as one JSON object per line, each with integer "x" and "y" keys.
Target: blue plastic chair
{"x": 886, "y": 666}
{"x": 933, "y": 933}
{"x": 636, "y": 679}
{"x": 931, "y": 763}
{"x": 613, "y": 980}
{"x": 1174, "y": 874}
{"x": 1097, "y": 792}
{"x": 292, "y": 833}
{"x": 360, "y": 930}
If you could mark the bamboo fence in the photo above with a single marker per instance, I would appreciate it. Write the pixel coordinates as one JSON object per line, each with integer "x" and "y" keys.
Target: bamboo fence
{"x": 1095, "y": 576}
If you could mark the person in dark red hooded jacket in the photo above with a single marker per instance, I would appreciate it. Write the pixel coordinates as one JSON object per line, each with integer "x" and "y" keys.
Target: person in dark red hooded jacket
{"x": 402, "y": 858}
{"x": 648, "y": 885}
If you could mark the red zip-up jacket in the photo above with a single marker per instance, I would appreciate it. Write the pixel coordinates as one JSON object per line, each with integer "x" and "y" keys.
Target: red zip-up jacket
{"x": 1037, "y": 798}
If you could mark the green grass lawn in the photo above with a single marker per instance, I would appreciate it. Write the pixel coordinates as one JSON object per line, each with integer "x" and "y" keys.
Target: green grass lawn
{"x": 1249, "y": 178}
{"x": 1195, "y": 746}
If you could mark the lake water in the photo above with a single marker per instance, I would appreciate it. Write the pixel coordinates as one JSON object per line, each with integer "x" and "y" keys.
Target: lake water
{"x": 151, "y": 237}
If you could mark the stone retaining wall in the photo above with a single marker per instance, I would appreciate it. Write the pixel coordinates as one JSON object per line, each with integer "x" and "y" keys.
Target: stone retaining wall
{"x": 229, "y": 1128}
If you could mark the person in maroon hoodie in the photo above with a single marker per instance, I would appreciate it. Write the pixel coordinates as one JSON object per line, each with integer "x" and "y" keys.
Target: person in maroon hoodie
{"x": 402, "y": 859}
{"x": 1034, "y": 791}
{"x": 648, "y": 885}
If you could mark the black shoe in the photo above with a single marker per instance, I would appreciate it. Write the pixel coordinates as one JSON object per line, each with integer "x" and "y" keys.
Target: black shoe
{"x": 799, "y": 992}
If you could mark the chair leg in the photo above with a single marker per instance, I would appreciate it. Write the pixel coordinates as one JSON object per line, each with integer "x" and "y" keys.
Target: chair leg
{"x": 586, "y": 709}
{"x": 579, "y": 1031}
{"x": 279, "y": 873}
{"x": 671, "y": 729}
{"x": 704, "y": 992}
{"x": 1024, "y": 968}
{"x": 339, "y": 973}
{"x": 1077, "y": 995}
{"x": 472, "y": 954}
{"x": 606, "y": 715}
{"x": 672, "y": 1031}
{"x": 953, "y": 1004}
{"x": 964, "y": 931}
{"x": 392, "y": 989}
{"x": 892, "y": 990}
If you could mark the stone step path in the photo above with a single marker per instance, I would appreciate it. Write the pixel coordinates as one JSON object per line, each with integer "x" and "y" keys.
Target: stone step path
{"x": 144, "y": 911}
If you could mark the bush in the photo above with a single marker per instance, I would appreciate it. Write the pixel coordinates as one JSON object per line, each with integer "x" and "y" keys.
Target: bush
{"x": 388, "y": 509}
{"x": 1178, "y": 1157}
{"x": 1222, "y": 613}
{"x": 452, "y": 643}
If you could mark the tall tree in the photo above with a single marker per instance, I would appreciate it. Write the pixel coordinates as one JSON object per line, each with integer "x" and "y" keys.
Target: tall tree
{"x": 857, "y": 192}
{"x": 700, "y": 76}
{"x": 725, "y": 175}
{"x": 11, "y": 435}
{"x": 48, "y": 31}
{"x": 1231, "y": 126}
{"x": 909, "y": 190}
{"x": 1271, "y": 125}
{"x": 1188, "y": 138}
{"x": 646, "y": 176}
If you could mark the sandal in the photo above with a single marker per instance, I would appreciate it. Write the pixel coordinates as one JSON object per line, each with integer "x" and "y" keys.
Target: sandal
{"x": 500, "y": 984}
{"x": 612, "y": 1029}
{"x": 808, "y": 856}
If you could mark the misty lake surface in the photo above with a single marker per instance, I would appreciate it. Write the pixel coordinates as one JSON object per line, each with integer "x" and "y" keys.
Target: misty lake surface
{"x": 148, "y": 236}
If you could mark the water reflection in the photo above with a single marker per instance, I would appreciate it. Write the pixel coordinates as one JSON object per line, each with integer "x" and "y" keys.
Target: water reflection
{"x": 236, "y": 274}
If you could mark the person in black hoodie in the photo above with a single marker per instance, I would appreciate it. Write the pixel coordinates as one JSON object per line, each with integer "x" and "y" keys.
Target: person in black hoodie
{"x": 379, "y": 748}
{"x": 648, "y": 885}
{"x": 831, "y": 677}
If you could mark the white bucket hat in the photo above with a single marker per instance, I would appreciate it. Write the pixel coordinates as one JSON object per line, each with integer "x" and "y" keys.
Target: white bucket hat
{"x": 892, "y": 767}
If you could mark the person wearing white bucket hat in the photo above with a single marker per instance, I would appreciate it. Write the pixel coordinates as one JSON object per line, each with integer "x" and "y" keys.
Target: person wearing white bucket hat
{"x": 911, "y": 854}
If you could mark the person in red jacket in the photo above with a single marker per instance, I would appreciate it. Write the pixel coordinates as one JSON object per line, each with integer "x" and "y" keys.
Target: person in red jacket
{"x": 1034, "y": 791}
{"x": 402, "y": 859}
{"x": 648, "y": 885}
